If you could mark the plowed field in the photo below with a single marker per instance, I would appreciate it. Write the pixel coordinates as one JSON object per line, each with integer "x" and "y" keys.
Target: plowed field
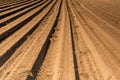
{"x": 59, "y": 40}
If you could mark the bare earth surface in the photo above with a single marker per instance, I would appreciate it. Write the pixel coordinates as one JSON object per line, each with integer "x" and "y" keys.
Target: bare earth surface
{"x": 59, "y": 40}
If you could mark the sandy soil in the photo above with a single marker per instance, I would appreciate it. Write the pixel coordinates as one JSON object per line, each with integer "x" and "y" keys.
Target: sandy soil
{"x": 59, "y": 40}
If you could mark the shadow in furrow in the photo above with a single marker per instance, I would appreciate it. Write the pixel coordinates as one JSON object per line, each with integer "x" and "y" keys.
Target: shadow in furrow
{"x": 13, "y": 12}
{"x": 21, "y": 24}
{"x": 9, "y": 53}
{"x": 77, "y": 77}
{"x": 17, "y": 16}
{"x": 42, "y": 54}
{"x": 5, "y": 6}
{"x": 75, "y": 59}
{"x": 21, "y": 5}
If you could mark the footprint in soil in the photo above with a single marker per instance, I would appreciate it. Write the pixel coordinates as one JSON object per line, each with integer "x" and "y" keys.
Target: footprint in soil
{"x": 117, "y": 22}
{"x": 85, "y": 76}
